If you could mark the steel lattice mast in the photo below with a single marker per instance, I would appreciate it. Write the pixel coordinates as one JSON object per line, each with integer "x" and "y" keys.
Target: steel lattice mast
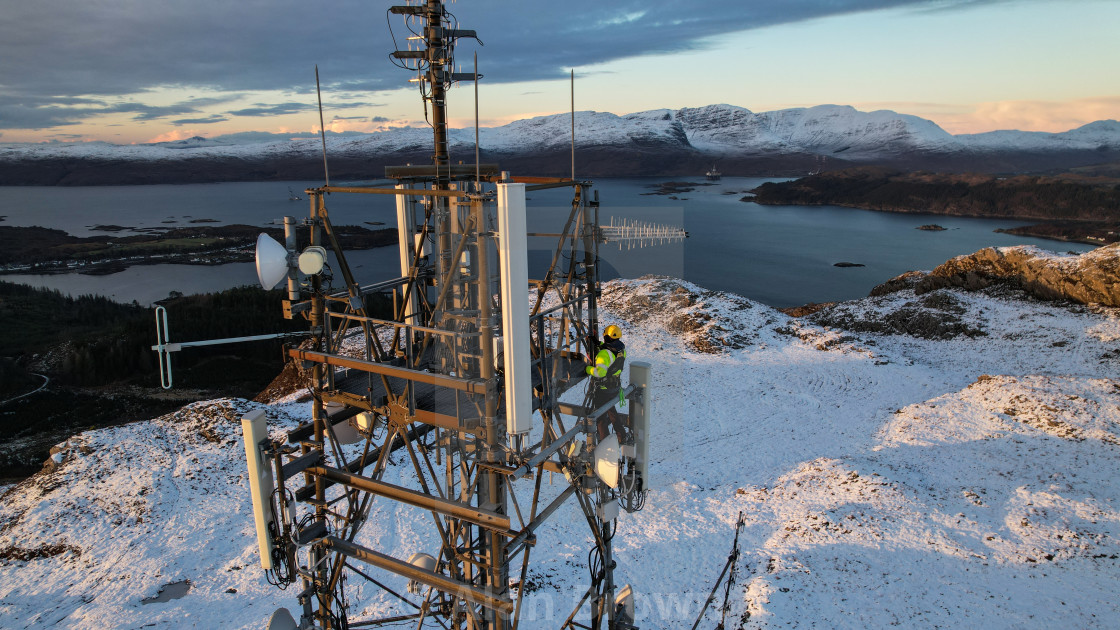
{"x": 466, "y": 379}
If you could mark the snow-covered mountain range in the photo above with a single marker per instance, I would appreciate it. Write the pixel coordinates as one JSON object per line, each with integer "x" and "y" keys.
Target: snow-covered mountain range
{"x": 653, "y": 142}
{"x": 954, "y": 467}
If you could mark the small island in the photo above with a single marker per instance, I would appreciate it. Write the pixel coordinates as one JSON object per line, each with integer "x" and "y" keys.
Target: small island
{"x": 931, "y": 227}
{"x": 675, "y": 188}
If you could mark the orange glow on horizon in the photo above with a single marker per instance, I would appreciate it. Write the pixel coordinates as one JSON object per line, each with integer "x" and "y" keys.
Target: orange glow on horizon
{"x": 1046, "y": 116}
{"x": 174, "y": 135}
{"x": 1024, "y": 115}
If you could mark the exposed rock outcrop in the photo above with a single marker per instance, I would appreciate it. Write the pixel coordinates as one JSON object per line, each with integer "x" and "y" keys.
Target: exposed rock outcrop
{"x": 290, "y": 380}
{"x": 908, "y": 280}
{"x": 806, "y": 309}
{"x": 683, "y": 309}
{"x": 1092, "y": 277}
{"x": 933, "y": 316}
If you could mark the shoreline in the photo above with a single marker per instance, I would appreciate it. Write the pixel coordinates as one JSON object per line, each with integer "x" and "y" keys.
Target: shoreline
{"x": 1067, "y": 207}
{"x": 1043, "y": 230}
{"x": 46, "y": 251}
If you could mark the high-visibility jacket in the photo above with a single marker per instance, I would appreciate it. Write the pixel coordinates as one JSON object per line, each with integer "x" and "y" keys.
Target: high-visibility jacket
{"x": 609, "y": 362}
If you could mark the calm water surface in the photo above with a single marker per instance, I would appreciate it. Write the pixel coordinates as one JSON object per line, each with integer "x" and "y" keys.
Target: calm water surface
{"x": 779, "y": 255}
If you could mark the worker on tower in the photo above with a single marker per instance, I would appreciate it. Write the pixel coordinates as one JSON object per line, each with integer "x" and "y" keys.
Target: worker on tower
{"x": 606, "y": 375}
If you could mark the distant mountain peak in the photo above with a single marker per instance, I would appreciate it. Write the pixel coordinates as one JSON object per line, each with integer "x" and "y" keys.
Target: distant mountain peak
{"x": 1102, "y": 125}
{"x": 654, "y": 142}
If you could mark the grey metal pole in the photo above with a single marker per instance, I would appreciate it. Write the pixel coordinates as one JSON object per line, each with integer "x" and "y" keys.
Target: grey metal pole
{"x": 493, "y": 490}
{"x": 477, "y": 173}
{"x": 290, "y": 245}
{"x": 434, "y": 37}
{"x": 320, "y": 424}
{"x": 322, "y": 128}
{"x": 588, "y": 226}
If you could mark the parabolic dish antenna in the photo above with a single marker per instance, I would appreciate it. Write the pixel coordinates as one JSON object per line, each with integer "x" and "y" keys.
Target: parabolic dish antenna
{"x": 272, "y": 262}
{"x": 607, "y": 454}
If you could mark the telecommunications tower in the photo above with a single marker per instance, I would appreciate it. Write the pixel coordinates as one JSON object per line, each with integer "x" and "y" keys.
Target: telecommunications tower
{"x": 475, "y": 382}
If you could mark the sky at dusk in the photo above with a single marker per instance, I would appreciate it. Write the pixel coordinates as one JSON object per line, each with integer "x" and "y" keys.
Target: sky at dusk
{"x": 128, "y": 71}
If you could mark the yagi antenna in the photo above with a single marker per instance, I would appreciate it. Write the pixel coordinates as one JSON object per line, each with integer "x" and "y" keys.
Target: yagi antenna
{"x": 322, "y": 128}
{"x": 638, "y": 234}
{"x": 164, "y": 347}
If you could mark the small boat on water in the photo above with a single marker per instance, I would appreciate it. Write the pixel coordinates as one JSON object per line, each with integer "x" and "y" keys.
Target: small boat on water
{"x": 293, "y": 196}
{"x": 713, "y": 175}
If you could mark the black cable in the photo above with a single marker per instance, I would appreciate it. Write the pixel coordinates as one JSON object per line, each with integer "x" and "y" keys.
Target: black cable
{"x": 326, "y": 274}
{"x": 280, "y": 575}
{"x": 396, "y": 62}
{"x": 340, "y": 620}
{"x": 595, "y": 565}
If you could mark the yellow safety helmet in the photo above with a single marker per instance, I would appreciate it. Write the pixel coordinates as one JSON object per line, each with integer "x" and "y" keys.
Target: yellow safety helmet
{"x": 614, "y": 332}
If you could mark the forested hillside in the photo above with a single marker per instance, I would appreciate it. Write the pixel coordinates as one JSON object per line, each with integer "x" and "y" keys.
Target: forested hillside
{"x": 91, "y": 340}
{"x": 1021, "y": 197}
{"x": 96, "y": 356}
{"x": 1073, "y": 207}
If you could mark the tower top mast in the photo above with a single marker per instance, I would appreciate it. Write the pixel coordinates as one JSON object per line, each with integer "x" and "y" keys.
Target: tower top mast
{"x": 435, "y": 67}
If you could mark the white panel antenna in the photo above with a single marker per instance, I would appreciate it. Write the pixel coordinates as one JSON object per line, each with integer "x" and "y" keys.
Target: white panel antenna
{"x": 624, "y": 604}
{"x": 513, "y": 252}
{"x": 254, "y": 428}
{"x": 641, "y": 377}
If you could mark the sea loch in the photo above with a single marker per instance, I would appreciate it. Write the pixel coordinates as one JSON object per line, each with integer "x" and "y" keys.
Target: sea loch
{"x": 782, "y": 256}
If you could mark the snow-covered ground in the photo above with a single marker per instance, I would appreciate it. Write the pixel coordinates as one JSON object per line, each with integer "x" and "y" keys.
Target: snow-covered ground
{"x": 885, "y": 480}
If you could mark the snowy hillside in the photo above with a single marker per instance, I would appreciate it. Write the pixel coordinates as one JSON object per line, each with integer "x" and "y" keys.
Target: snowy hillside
{"x": 648, "y": 129}
{"x": 1093, "y": 136}
{"x": 823, "y": 130}
{"x": 840, "y": 132}
{"x": 961, "y": 473}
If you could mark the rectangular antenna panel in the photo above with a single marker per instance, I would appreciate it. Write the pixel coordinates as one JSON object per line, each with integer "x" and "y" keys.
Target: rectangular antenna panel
{"x": 254, "y": 428}
{"x": 407, "y": 239}
{"x": 513, "y": 265}
{"x": 641, "y": 378}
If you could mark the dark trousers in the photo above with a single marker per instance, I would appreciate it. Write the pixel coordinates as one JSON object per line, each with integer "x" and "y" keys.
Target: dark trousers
{"x": 606, "y": 391}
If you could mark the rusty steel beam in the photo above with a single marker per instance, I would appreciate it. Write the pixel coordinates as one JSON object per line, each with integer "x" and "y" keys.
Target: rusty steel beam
{"x": 524, "y": 535}
{"x": 412, "y": 192}
{"x": 462, "y": 511}
{"x": 442, "y": 583}
{"x": 456, "y": 171}
{"x": 533, "y": 179}
{"x": 445, "y": 421}
{"x": 404, "y": 192}
{"x": 469, "y": 385}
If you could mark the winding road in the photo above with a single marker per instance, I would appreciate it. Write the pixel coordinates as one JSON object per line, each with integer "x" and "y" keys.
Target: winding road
{"x": 46, "y": 381}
